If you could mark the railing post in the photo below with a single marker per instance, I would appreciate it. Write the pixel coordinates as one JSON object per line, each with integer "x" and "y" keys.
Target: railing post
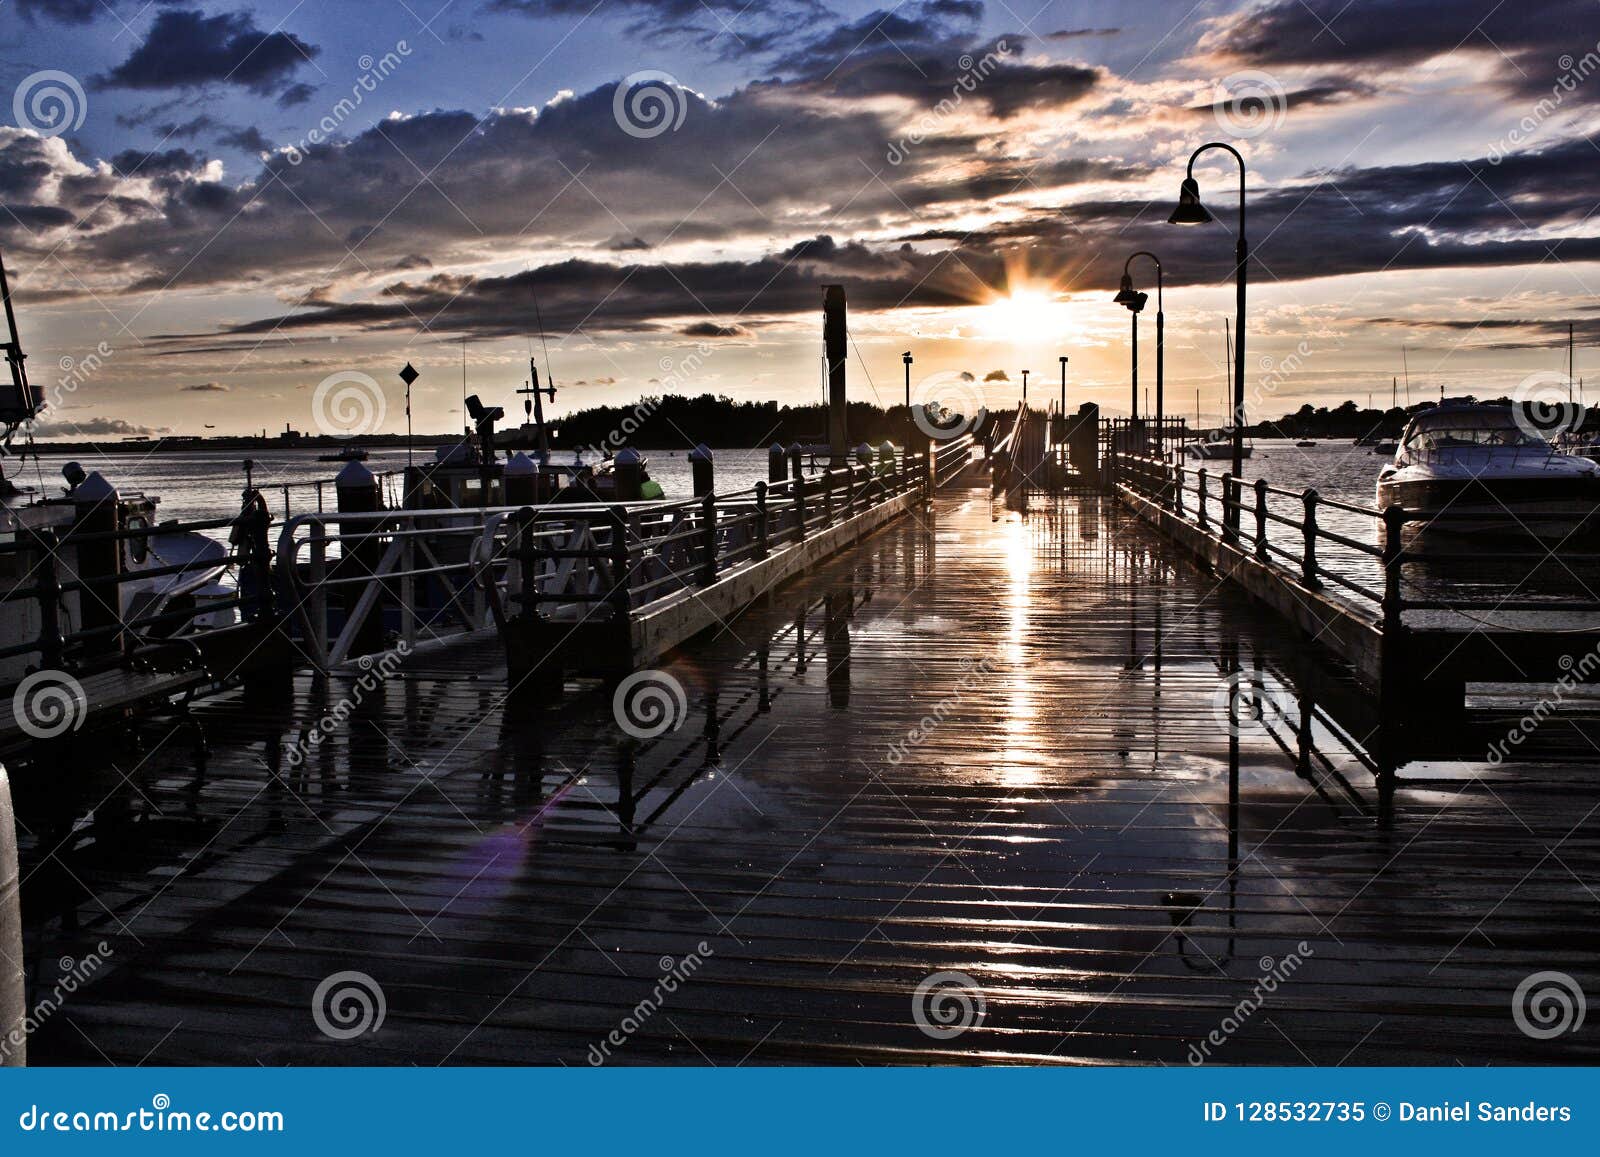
{"x": 1261, "y": 518}
{"x": 317, "y": 600}
{"x": 1394, "y": 520}
{"x": 827, "y": 496}
{"x": 1200, "y": 478}
{"x": 1308, "y": 556}
{"x": 761, "y": 520}
{"x": 1177, "y": 489}
{"x": 1230, "y": 525}
{"x": 49, "y": 585}
{"x": 799, "y": 484}
{"x": 621, "y": 564}
{"x": 708, "y": 539}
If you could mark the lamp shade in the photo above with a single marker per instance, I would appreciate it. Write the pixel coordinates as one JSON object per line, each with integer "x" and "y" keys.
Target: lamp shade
{"x": 1189, "y": 211}
{"x": 1125, "y": 295}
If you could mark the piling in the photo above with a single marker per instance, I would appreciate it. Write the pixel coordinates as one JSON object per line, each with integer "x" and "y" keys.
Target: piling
{"x": 701, "y": 465}
{"x": 357, "y": 493}
{"x": 777, "y": 468}
{"x": 98, "y": 564}
{"x": 835, "y": 338}
{"x": 521, "y": 480}
{"x": 628, "y": 469}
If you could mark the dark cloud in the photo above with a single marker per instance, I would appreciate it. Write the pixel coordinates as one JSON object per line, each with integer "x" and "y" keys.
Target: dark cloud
{"x": 207, "y": 388}
{"x": 248, "y": 139}
{"x": 186, "y": 49}
{"x": 63, "y": 11}
{"x": 730, "y": 28}
{"x": 996, "y": 376}
{"x": 131, "y": 162}
{"x": 1525, "y": 39}
{"x": 295, "y": 94}
{"x": 712, "y": 329}
{"x": 1081, "y": 33}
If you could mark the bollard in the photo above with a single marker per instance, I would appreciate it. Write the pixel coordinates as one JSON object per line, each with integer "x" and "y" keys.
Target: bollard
{"x": 797, "y": 454}
{"x": 13, "y": 999}
{"x": 761, "y": 520}
{"x": 777, "y": 468}
{"x": 98, "y": 563}
{"x": 700, "y": 463}
{"x": 356, "y": 492}
{"x": 1394, "y": 520}
{"x": 1261, "y": 518}
{"x": 521, "y": 478}
{"x": 628, "y": 469}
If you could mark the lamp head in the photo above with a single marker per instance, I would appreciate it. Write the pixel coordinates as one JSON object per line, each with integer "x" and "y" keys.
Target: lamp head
{"x": 1126, "y": 294}
{"x": 906, "y": 357}
{"x": 1189, "y": 211}
{"x": 1136, "y": 302}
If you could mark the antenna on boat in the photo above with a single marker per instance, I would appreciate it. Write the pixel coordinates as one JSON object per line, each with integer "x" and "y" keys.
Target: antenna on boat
{"x": 24, "y": 401}
{"x": 533, "y": 393}
{"x": 1406, "y": 369}
{"x": 1569, "y": 363}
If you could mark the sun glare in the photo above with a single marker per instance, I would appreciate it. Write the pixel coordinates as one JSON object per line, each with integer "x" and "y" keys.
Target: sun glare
{"x": 1023, "y": 316}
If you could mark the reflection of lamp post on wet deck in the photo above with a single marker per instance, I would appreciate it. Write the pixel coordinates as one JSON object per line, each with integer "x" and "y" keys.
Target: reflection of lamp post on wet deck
{"x": 1191, "y": 212}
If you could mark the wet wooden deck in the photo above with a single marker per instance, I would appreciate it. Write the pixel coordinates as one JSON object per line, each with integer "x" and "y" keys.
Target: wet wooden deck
{"x": 1073, "y": 830}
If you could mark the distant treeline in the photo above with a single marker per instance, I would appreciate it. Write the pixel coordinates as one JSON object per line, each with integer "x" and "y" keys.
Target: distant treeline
{"x": 1349, "y": 420}
{"x": 676, "y": 422}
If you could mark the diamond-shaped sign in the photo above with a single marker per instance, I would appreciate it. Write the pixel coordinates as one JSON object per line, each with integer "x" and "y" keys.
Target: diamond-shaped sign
{"x": 409, "y": 375}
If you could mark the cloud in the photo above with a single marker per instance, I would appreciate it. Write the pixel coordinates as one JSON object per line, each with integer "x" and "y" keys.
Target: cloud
{"x": 996, "y": 376}
{"x": 63, "y": 11}
{"x": 1081, "y": 33}
{"x": 208, "y": 388}
{"x": 712, "y": 329}
{"x": 186, "y": 49}
{"x": 93, "y": 427}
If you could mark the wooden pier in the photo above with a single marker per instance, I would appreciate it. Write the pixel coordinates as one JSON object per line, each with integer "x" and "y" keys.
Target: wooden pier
{"x": 977, "y": 744}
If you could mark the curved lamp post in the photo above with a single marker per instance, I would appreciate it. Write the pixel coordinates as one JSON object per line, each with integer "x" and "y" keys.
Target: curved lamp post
{"x": 1130, "y": 297}
{"x": 1191, "y": 212}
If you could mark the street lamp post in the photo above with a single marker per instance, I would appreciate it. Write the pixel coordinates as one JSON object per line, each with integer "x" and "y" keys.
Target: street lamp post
{"x": 1191, "y": 212}
{"x": 911, "y": 425}
{"x": 1129, "y": 297}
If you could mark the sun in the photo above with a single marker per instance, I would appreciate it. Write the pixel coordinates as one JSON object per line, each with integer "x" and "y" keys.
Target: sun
{"x": 1023, "y": 316}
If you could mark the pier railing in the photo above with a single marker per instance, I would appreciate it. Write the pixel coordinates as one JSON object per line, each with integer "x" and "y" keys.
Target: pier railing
{"x": 1366, "y": 556}
{"x": 445, "y": 572}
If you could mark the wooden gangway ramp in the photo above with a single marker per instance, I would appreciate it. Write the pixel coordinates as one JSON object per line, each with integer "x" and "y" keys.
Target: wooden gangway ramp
{"x": 975, "y": 771}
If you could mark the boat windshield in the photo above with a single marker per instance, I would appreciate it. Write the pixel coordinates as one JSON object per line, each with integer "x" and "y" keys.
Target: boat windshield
{"x": 1491, "y": 429}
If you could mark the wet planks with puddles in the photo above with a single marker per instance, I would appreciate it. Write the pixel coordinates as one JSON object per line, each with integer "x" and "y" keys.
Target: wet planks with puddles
{"x": 967, "y": 793}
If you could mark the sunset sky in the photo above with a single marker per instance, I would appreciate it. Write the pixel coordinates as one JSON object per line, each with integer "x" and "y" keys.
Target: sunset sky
{"x": 239, "y": 201}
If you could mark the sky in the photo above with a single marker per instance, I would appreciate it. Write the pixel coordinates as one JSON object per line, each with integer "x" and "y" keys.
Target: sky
{"x": 211, "y": 211}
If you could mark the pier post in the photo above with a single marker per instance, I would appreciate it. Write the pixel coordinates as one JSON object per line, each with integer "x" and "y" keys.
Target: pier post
{"x": 1308, "y": 555}
{"x": 777, "y": 468}
{"x": 357, "y": 493}
{"x": 49, "y": 588}
{"x": 1394, "y": 520}
{"x": 798, "y": 483}
{"x": 708, "y": 539}
{"x": 628, "y": 469}
{"x": 1200, "y": 486}
{"x": 98, "y": 564}
{"x": 761, "y": 520}
{"x": 621, "y": 567}
{"x": 1230, "y": 503}
{"x": 521, "y": 478}
{"x": 835, "y": 335}
{"x": 1261, "y": 518}
{"x": 703, "y": 469}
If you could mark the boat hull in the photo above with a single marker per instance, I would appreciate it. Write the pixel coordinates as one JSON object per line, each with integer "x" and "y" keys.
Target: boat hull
{"x": 1542, "y": 507}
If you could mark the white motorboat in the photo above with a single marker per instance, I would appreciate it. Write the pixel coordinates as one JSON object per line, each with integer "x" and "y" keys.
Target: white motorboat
{"x": 1216, "y": 446}
{"x": 1471, "y": 468}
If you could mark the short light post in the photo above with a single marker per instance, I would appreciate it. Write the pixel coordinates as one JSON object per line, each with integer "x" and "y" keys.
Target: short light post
{"x": 1128, "y": 296}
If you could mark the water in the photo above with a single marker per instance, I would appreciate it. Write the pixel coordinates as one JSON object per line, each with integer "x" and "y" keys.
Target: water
{"x": 205, "y": 484}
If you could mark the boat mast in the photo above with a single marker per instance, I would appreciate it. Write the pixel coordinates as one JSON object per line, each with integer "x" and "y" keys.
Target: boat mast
{"x": 25, "y": 401}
